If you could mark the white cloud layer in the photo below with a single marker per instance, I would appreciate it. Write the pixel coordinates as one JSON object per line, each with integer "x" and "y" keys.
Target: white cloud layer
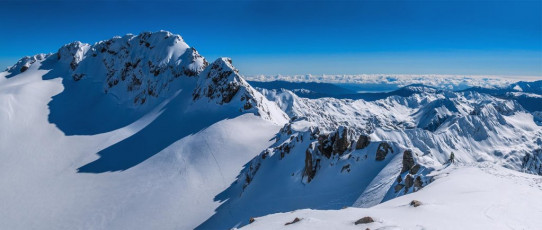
{"x": 440, "y": 81}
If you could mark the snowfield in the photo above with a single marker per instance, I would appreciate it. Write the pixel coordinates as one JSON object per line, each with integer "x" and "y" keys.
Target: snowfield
{"x": 41, "y": 189}
{"x": 477, "y": 196}
{"x": 142, "y": 132}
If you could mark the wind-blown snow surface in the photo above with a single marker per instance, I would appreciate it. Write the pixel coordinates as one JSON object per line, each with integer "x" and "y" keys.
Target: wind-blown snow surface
{"x": 187, "y": 160}
{"x": 479, "y": 196}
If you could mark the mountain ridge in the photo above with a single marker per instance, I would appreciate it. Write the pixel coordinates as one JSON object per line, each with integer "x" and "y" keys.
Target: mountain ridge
{"x": 141, "y": 129}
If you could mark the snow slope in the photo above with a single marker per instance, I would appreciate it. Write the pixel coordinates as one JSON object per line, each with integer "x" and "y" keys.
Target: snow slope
{"x": 477, "y": 196}
{"x": 153, "y": 167}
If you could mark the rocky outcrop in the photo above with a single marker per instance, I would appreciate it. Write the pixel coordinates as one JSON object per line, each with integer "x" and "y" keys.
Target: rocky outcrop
{"x": 413, "y": 176}
{"x": 219, "y": 82}
{"x": 345, "y": 168}
{"x": 408, "y": 161}
{"x": 415, "y": 203}
{"x": 340, "y": 140}
{"x": 24, "y": 63}
{"x": 309, "y": 170}
{"x": 293, "y": 221}
{"x": 415, "y": 169}
{"x": 409, "y": 181}
{"x": 335, "y": 143}
{"x": 418, "y": 184}
{"x": 383, "y": 149}
{"x": 363, "y": 141}
{"x": 325, "y": 145}
{"x": 364, "y": 220}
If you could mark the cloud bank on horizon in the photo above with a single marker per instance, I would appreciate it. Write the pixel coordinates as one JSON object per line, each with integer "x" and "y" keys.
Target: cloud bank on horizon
{"x": 452, "y": 82}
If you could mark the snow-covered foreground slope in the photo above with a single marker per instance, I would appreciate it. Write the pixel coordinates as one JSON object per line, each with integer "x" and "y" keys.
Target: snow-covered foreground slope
{"x": 478, "y": 196}
{"x": 162, "y": 170}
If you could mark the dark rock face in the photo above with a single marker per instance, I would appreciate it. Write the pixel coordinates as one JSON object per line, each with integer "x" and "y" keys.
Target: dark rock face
{"x": 335, "y": 143}
{"x": 383, "y": 150}
{"x": 223, "y": 84}
{"x": 346, "y": 168}
{"x": 409, "y": 181}
{"x": 24, "y": 68}
{"x": 408, "y": 161}
{"x": 415, "y": 169}
{"x": 365, "y": 220}
{"x": 341, "y": 142}
{"x": 418, "y": 184}
{"x": 363, "y": 141}
{"x": 325, "y": 146}
{"x": 309, "y": 171}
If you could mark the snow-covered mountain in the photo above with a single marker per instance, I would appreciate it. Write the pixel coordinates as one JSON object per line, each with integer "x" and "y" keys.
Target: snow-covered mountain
{"x": 141, "y": 132}
{"x": 112, "y": 136}
{"x": 361, "y": 153}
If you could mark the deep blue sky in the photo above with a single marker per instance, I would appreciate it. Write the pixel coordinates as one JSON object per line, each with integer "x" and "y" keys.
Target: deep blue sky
{"x": 298, "y": 37}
